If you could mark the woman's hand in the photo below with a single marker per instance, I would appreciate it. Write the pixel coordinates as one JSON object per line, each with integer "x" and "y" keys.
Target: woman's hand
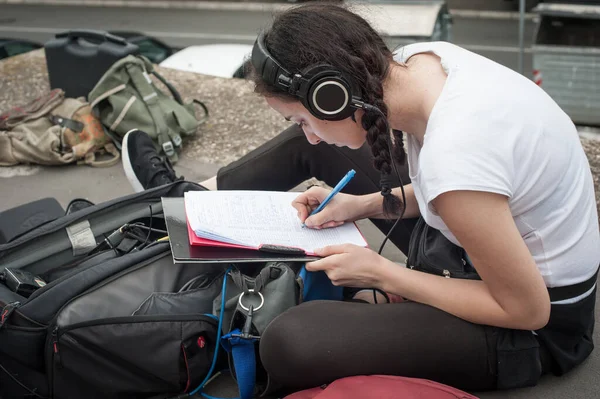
{"x": 350, "y": 265}
{"x": 342, "y": 208}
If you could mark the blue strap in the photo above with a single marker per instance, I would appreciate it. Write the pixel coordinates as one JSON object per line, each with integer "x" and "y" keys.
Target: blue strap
{"x": 220, "y": 326}
{"x": 318, "y": 286}
{"x": 244, "y": 361}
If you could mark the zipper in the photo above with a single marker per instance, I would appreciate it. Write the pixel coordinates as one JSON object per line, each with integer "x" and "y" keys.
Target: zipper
{"x": 17, "y": 311}
{"x": 7, "y": 310}
{"x": 55, "y": 351}
{"x": 58, "y": 335}
{"x": 446, "y": 273}
{"x": 58, "y": 332}
{"x": 135, "y": 319}
{"x": 421, "y": 244}
{"x": 413, "y": 244}
{"x": 52, "y": 353}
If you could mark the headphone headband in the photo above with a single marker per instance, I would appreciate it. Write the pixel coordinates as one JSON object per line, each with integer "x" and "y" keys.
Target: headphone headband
{"x": 322, "y": 89}
{"x": 268, "y": 68}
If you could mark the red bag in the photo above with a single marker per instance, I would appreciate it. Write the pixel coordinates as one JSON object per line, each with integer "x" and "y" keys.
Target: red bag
{"x": 382, "y": 387}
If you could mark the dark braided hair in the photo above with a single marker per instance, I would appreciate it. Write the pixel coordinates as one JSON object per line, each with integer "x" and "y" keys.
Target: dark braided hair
{"x": 328, "y": 33}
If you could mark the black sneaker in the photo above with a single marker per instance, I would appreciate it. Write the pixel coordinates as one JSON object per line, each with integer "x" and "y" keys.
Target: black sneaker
{"x": 143, "y": 166}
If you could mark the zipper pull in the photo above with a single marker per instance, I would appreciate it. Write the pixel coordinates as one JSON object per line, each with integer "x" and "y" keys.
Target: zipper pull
{"x": 446, "y": 273}
{"x": 7, "y": 311}
{"x": 57, "y": 359}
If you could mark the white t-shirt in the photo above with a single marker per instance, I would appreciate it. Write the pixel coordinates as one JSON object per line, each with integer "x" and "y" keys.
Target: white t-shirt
{"x": 494, "y": 130}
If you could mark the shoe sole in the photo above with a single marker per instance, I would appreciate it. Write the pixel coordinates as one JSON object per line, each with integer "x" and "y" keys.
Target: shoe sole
{"x": 129, "y": 173}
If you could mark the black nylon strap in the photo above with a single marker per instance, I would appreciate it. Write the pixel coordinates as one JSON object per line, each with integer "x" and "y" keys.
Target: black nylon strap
{"x": 572, "y": 291}
{"x": 72, "y": 124}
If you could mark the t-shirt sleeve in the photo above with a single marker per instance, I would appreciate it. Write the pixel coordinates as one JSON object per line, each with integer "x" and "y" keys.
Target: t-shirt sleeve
{"x": 466, "y": 159}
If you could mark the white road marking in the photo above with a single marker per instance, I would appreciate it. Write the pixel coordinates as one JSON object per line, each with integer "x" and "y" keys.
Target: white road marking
{"x": 6, "y": 172}
{"x": 232, "y": 37}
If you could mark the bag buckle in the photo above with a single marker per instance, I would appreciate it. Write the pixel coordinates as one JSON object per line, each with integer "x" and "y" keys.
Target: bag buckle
{"x": 7, "y": 311}
{"x": 168, "y": 148}
{"x": 177, "y": 140}
{"x": 245, "y": 333}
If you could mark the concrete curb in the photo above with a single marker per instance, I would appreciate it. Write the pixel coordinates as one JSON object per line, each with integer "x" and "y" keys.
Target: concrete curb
{"x": 232, "y": 6}
{"x": 479, "y": 14}
{"x": 193, "y": 5}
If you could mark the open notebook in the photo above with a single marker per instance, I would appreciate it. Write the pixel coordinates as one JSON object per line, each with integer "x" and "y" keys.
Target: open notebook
{"x": 257, "y": 220}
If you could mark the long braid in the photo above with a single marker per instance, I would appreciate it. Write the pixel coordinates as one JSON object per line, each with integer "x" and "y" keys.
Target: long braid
{"x": 379, "y": 139}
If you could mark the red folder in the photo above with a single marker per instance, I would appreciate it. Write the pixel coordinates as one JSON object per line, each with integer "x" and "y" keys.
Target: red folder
{"x": 274, "y": 248}
{"x": 195, "y": 240}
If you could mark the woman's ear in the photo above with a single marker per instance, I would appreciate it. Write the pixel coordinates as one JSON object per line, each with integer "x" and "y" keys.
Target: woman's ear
{"x": 353, "y": 117}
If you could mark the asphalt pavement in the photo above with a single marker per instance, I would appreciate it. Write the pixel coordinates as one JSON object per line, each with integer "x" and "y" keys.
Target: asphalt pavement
{"x": 494, "y": 35}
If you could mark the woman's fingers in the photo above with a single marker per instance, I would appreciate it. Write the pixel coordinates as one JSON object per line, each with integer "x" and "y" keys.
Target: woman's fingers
{"x": 317, "y": 265}
{"x": 327, "y": 225}
{"x": 309, "y": 200}
{"x": 302, "y": 205}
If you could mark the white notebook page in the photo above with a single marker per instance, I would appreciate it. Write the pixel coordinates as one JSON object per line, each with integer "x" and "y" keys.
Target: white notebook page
{"x": 253, "y": 218}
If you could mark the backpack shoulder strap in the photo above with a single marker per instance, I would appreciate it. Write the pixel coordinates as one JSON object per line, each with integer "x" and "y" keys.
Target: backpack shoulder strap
{"x": 169, "y": 86}
{"x": 140, "y": 79}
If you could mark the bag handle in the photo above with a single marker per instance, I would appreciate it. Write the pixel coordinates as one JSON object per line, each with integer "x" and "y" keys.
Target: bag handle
{"x": 90, "y": 158}
{"x": 171, "y": 88}
{"x": 178, "y": 98}
{"x": 204, "y": 109}
{"x": 91, "y": 34}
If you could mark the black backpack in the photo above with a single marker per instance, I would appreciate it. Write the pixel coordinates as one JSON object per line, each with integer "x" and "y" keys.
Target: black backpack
{"x": 83, "y": 334}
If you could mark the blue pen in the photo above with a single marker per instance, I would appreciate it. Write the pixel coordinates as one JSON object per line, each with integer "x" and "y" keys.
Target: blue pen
{"x": 335, "y": 190}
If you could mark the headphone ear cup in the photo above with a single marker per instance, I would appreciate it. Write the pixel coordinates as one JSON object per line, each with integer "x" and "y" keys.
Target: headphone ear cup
{"x": 329, "y": 98}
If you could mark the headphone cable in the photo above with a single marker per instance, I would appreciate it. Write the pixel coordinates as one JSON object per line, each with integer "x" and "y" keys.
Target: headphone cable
{"x": 369, "y": 107}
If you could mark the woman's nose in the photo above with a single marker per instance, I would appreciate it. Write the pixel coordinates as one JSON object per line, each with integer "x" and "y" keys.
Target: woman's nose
{"x": 311, "y": 137}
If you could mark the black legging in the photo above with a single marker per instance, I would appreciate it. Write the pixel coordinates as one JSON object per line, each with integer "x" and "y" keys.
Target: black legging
{"x": 289, "y": 159}
{"x": 318, "y": 342}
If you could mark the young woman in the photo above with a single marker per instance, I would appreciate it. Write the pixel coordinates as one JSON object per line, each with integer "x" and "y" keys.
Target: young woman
{"x": 494, "y": 164}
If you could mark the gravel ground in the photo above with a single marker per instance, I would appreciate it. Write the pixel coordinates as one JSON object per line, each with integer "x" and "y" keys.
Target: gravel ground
{"x": 239, "y": 120}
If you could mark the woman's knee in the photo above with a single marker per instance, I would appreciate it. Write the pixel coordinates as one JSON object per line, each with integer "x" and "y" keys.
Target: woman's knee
{"x": 286, "y": 347}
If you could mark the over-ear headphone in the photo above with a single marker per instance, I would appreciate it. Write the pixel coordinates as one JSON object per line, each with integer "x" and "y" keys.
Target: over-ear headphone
{"x": 322, "y": 89}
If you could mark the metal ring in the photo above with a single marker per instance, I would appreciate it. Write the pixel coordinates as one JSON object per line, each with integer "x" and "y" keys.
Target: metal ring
{"x": 262, "y": 301}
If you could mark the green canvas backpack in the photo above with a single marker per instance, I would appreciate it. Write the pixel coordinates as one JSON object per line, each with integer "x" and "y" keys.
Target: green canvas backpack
{"x": 125, "y": 98}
